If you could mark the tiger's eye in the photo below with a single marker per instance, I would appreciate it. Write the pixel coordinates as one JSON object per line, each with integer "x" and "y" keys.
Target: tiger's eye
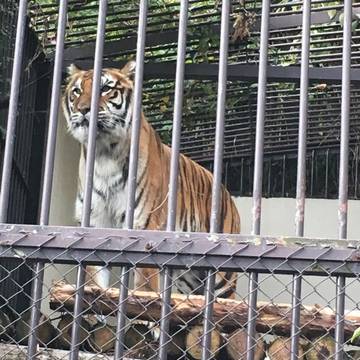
{"x": 76, "y": 91}
{"x": 106, "y": 88}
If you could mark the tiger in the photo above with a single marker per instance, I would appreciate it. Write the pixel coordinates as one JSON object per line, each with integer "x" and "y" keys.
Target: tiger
{"x": 110, "y": 181}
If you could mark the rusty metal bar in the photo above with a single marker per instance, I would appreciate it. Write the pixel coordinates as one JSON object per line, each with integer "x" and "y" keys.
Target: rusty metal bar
{"x": 217, "y": 172}
{"x": 136, "y": 118}
{"x": 13, "y": 108}
{"x": 89, "y": 171}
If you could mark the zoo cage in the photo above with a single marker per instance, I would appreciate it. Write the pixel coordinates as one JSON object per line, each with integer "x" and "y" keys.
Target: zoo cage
{"x": 283, "y": 77}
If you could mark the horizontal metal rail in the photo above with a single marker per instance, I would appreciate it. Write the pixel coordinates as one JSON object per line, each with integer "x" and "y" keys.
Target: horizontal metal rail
{"x": 264, "y": 254}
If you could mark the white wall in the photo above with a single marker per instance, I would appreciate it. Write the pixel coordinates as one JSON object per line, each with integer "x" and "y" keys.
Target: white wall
{"x": 62, "y": 200}
{"x": 320, "y": 221}
{"x": 278, "y": 216}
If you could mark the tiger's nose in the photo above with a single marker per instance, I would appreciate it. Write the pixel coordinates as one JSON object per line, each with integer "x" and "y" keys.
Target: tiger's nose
{"x": 84, "y": 108}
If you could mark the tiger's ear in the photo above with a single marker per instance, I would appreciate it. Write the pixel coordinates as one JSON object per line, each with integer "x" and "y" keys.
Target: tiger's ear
{"x": 72, "y": 70}
{"x": 129, "y": 69}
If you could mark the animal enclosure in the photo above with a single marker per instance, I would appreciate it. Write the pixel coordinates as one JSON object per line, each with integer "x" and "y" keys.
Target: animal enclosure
{"x": 262, "y": 94}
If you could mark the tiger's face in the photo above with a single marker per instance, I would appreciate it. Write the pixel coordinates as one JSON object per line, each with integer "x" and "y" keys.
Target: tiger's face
{"x": 114, "y": 117}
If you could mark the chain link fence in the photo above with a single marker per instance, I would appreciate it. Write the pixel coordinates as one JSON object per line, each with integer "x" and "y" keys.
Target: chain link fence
{"x": 329, "y": 279}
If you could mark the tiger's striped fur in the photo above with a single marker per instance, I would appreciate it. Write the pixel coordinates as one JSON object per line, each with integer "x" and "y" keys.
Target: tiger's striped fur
{"x": 111, "y": 174}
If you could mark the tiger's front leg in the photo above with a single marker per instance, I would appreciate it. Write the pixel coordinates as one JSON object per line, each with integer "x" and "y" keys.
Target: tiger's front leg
{"x": 99, "y": 218}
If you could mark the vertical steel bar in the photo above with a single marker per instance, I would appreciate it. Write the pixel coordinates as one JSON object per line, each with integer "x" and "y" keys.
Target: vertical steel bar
{"x": 136, "y": 118}
{"x": 345, "y": 120}
{"x": 75, "y": 336}
{"x": 252, "y": 314}
{"x": 121, "y": 319}
{"x": 220, "y": 118}
{"x": 49, "y": 168}
{"x": 260, "y": 118}
{"x": 174, "y": 170}
{"x": 326, "y": 173}
{"x": 89, "y": 172}
{"x": 133, "y": 164}
{"x": 178, "y": 104}
{"x": 217, "y": 173}
{"x": 165, "y": 311}
{"x": 94, "y": 109}
{"x": 340, "y": 309}
{"x": 13, "y": 108}
{"x": 303, "y": 119}
{"x": 343, "y": 170}
{"x": 35, "y": 309}
{"x": 208, "y": 315}
{"x": 258, "y": 167}
{"x": 301, "y": 170}
{"x": 295, "y": 315}
{"x": 53, "y": 117}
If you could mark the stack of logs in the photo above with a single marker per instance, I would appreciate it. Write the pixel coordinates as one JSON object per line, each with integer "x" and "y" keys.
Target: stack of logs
{"x": 228, "y": 338}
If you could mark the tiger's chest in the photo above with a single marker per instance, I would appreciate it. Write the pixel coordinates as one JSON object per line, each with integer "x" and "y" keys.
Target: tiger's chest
{"x": 109, "y": 195}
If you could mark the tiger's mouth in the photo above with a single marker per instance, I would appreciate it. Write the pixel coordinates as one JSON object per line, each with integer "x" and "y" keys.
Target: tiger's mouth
{"x": 82, "y": 123}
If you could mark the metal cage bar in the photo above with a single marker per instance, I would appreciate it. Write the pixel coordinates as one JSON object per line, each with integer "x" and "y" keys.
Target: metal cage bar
{"x": 49, "y": 168}
{"x": 174, "y": 171}
{"x": 217, "y": 172}
{"x": 13, "y": 108}
{"x": 136, "y": 118}
{"x": 89, "y": 171}
{"x": 121, "y": 319}
{"x": 343, "y": 171}
{"x": 133, "y": 165}
{"x": 258, "y": 168}
{"x": 301, "y": 170}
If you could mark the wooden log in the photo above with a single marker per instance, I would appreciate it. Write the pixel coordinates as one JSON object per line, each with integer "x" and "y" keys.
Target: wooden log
{"x": 18, "y": 352}
{"x": 321, "y": 349}
{"x": 236, "y": 346}
{"x": 228, "y": 314}
{"x": 65, "y": 328}
{"x": 45, "y": 332}
{"x": 7, "y": 330}
{"x": 193, "y": 340}
{"x": 280, "y": 349}
{"x": 176, "y": 346}
{"x": 102, "y": 338}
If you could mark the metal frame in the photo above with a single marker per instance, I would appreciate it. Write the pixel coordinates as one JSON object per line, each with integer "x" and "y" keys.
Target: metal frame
{"x": 39, "y": 244}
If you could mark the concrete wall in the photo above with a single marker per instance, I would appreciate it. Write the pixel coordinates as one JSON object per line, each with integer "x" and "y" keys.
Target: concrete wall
{"x": 320, "y": 221}
{"x": 277, "y": 219}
